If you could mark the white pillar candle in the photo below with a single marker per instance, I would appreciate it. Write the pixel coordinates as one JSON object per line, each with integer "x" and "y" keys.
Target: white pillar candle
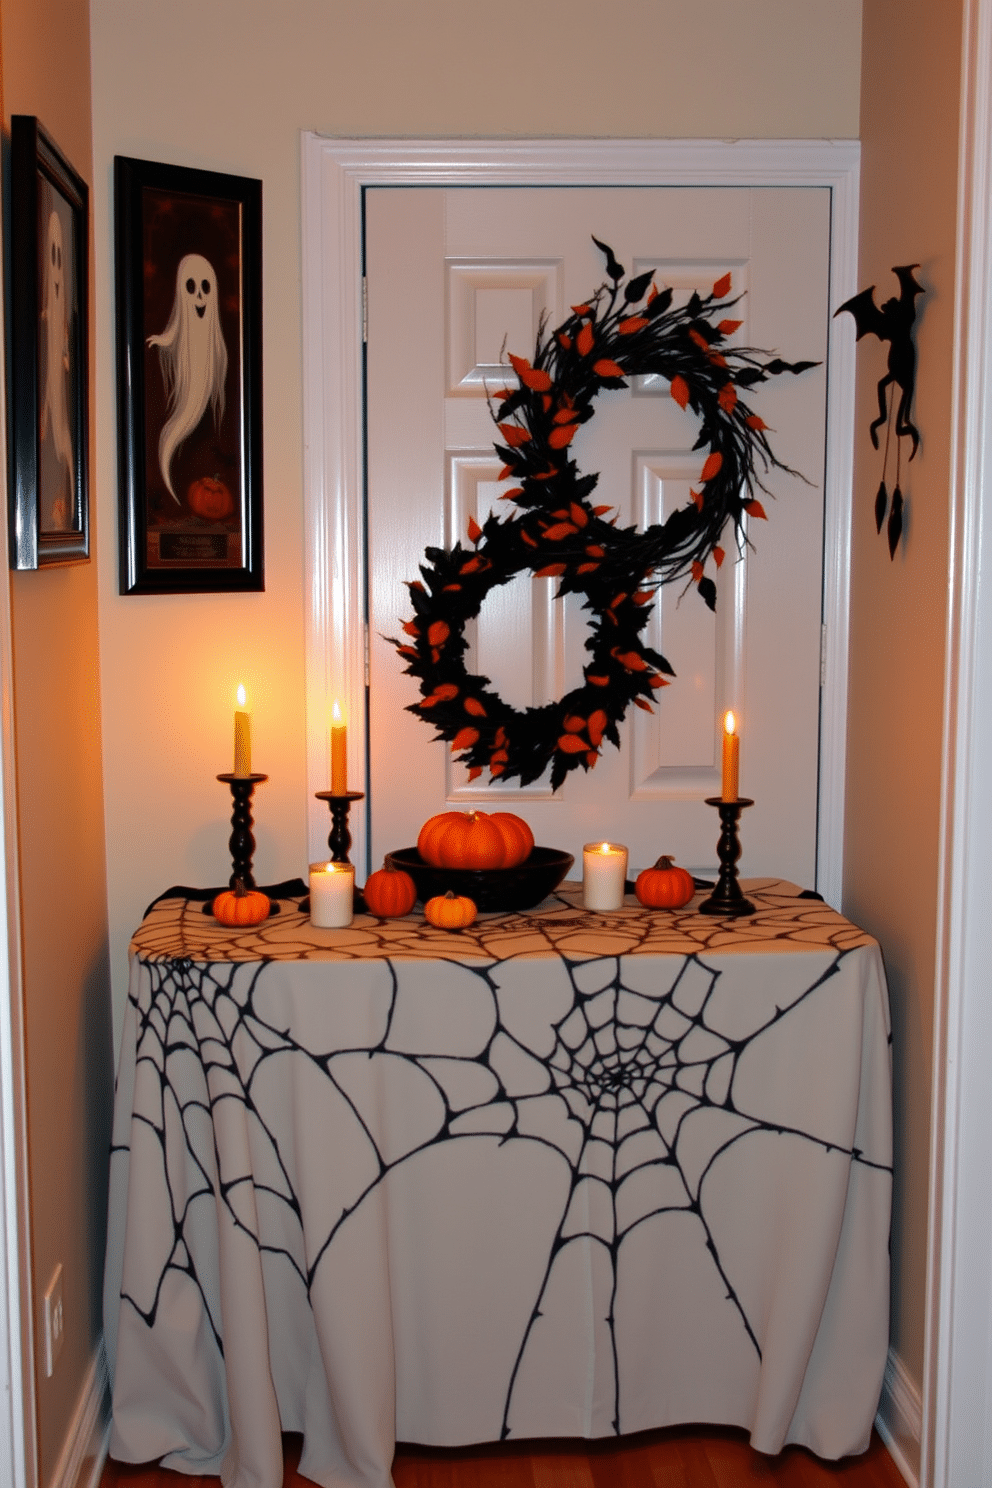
{"x": 604, "y": 871}
{"x": 332, "y": 895}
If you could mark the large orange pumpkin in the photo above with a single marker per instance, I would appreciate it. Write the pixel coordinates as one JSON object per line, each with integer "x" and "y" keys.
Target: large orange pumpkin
{"x": 241, "y": 906}
{"x": 389, "y": 892}
{"x": 475, "y": 839}
{"x": 209, "y": 498}
{"x": 449, "y": 911}
{"x": 664, "y": 886}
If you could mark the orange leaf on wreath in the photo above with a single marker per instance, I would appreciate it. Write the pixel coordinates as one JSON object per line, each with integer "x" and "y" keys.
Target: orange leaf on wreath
{"x": 699, "y": 340}
{"x": 411, "y": 627}
{"x": 755, "y": 509}
{"x": 698, "y": 498}
{"x": 504, "y": 472}
{"x": 473, "y": 706}
{"x": 597, "y": 723}
{"x": 512, "y": 495}
{"x": 530, "y": 541}
{"x": 643, "y": 596}
{"x": 754, "y": 422}
{"x": 499, "y": 756}
{"x": 632, "y": 660}
{"x": 587, "y": 568}
{"x": 605, "y": 368}
{"x": 474, "y": 530}
{"x": 500, "y": 738}
{"x": 598, "y": 511}
{"x": 594, "y": 550}
{"x": 573, "y": 744}
{"x": 445, "y": 691}
{"x": 722, "y": 286}
{"x": 645, "y": 705}
{"x": 597, "y": 681}
{"x": 560, "y": 530}
{"x": 727, "y": 397}
{"x": 712, "y": 467}
{"x": 565, "y": 342}
{"x": 659, "y": 681}
{"x": 565, "y": 416}
{"x": 573, "y": 724}
{"x": 580, "y": 309}
{"x": 438, "y": 633}
{"x": 680, "y": 390}
{"x": 697, "y": 570}
{"x": 618, "y": 599}
{"x": 728, "y": 327}
{"x": 585, "y": 340}
{"x": 407, "y": 651}
{"x": 452, "y": 589}
{"x": 577, "y": 514}
{"x": 563, "y": 435}
{"x": 591, "y": 759}
{"x": 633, "y": 323}
{"x": 465, "y": 738}
{"x": 513, "y": 434}
{"x": 550, "y": 571}
{"x": 718, "y": 557}
{"x": 496, "y": 769}
{"x": 475, "y": 772}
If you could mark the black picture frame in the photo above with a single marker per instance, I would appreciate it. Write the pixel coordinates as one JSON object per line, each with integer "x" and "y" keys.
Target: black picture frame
{"x": 189, "y": 379}
{"x": 49, "y": 420}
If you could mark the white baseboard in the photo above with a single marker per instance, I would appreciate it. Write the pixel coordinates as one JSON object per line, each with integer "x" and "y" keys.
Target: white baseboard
{"x": 85, "y": 1449}
{"x": 900, "y": 1418}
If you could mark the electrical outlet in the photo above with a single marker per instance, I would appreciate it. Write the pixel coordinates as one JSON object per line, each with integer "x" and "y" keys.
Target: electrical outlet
{"x": 54, "y": 1321}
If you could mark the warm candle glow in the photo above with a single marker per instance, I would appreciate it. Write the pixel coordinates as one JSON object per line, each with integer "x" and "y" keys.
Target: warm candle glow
{"x": 339, "y": 751}
{"x": 332, "y": 893}
{"x": 242, "y": 735}
{"x": 731, "y": 758}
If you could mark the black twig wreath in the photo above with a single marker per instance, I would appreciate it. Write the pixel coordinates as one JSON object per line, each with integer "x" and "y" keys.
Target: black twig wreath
{"x": 559, "y": 534}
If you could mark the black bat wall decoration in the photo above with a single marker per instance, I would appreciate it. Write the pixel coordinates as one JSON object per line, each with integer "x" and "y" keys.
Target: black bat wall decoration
{"x": 892, "y": 323}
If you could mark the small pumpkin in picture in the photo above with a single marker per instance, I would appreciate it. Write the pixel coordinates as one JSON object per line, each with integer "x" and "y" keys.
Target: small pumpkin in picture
{"x": 449, "y": 911}
{"x": 664, "y": 886}
{"x": 209, "y": 498}
{"x": 389, "y": 892}
{"x": 241, "y": 906}
{"x": 475, "y": 839}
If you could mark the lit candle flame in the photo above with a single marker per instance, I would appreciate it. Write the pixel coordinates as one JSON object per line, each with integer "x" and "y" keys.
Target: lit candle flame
{"x": 605, "y": 847}
{"x": 336, "y": 712}
{"x": 242, "y": 695}
{"x": 729, "y": 723}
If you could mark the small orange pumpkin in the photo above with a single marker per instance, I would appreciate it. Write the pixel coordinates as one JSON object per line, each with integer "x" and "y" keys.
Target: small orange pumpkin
{"x": 475, "y": 839}
{"x": 664, "y": 886}
{"x": 389, "y": 893}
{"x": 241, "y": 906}
{"x": 209, "y": 498}
{"x": 449, "y": 911}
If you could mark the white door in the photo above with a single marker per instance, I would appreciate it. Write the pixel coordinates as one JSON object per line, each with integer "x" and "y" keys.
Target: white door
{"x": 454, "y": 273}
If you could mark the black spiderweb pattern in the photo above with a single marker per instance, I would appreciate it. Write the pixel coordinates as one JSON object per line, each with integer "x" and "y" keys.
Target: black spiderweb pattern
{"x": 633, "y": 1083}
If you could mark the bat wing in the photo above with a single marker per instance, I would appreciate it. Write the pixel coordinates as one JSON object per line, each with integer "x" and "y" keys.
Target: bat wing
{"x": 908, "y": 284}
{"x": 867, "y": 316}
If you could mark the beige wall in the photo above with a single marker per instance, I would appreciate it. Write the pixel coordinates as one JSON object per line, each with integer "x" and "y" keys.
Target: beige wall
{"x": 45, "y": 67}
{"x": 909, "y": 124}
{"x": 229, "y": 85}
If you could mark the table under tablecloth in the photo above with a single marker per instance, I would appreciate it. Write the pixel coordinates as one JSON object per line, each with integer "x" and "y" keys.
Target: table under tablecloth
{"x": 560, "y": 1174}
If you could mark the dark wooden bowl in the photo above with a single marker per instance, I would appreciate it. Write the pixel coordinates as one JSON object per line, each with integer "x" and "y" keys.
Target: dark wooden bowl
{"x": 488, "y": 888}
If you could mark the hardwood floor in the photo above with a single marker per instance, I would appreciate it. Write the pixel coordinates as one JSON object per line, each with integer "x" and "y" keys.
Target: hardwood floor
{"x": 704, "y": 1457}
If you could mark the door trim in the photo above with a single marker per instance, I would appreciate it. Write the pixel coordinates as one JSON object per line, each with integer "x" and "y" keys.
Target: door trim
{"x": 335, "y": 173}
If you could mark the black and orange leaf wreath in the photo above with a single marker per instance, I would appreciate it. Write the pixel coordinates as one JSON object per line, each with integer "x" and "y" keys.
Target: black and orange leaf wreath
{"x": 622, "y": 331}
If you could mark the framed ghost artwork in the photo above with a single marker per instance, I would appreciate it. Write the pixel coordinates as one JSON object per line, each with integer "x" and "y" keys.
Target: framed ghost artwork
{"x": 49, "y": 505}
{"x": 189, "y": 378}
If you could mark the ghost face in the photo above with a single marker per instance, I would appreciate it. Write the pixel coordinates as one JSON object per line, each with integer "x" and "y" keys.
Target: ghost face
{"x": 55, "y": 278}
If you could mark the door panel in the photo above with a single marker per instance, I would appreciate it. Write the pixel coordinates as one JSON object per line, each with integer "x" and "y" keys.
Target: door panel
{"x": 457, "y": 277}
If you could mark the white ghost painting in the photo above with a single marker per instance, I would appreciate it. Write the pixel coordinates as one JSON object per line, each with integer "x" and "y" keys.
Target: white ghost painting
{"x": 193, "y": 358}
{"x": 55, "y": 334}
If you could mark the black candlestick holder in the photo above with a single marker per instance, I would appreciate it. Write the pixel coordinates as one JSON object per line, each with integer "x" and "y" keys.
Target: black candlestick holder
{"x": 727, "y": 899}
{"x": 242, "y": 843}
{"x": 339, "y": 840}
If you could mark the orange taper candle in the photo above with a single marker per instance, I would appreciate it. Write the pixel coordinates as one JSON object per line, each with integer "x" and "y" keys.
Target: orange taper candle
{"x": 731, "y": 758}
{"x": 242, "y": 736}
{"x": 339, "y": 752}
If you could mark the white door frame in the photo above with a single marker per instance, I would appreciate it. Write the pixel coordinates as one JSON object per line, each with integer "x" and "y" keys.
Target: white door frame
{"x": 956, "y": 1446}
{"x": 335, "y": 173}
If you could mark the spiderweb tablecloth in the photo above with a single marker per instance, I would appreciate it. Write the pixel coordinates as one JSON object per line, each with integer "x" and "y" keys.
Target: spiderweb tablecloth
{"x": 560, "y": 1174}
